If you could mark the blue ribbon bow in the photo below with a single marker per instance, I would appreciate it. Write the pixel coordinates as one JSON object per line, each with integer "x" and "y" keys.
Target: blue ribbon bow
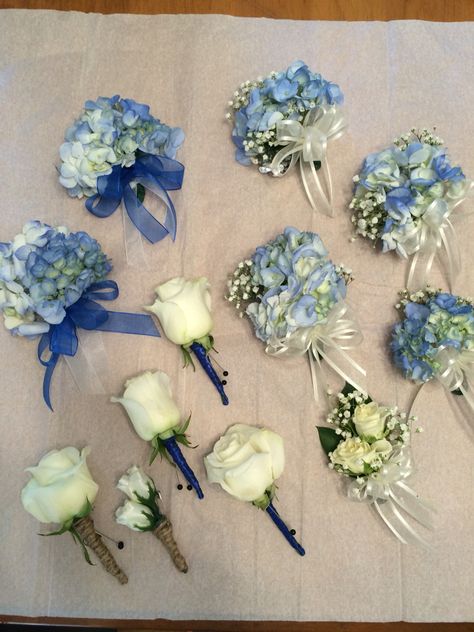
{"x": 86, "y": 313}
{"x": 153, "y": 172}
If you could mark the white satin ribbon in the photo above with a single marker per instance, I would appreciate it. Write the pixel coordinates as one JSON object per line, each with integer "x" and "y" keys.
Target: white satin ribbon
{"x": 433, "y": 232}
{"x": 457, "y": 372}
{"x": 393, "y": 500}
{"x": 133, "y": 242}
{"x": 328, "y": 340}
{"x": 89, "y": 363}
{"x": 307, "y": 143}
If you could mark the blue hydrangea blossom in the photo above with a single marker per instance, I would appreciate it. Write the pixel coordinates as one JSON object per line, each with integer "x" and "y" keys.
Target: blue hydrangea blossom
{"x": 397, "y": 185}
{"x": 257, "y": 107}
{"x": 43, "y": 271}
{"x": 432, "y": 320}
{"x": 288, "y": 284}
{"x": 111, "y": 131}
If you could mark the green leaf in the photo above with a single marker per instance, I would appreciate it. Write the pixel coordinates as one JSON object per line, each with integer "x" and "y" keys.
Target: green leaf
{"x": 140, "y": 193}
{"x": 65, "y": 527}
{"x": 187, "y": 358}
{"x": 457, "y": 392}
{"x": 317, "y": 164}
{"x": 329, "y": 439}
{"x": 348, "y": 388}
{"x": 77, "y": 538}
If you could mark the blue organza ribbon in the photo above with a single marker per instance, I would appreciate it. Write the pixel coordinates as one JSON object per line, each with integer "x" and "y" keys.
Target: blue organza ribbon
{"x": 86, "y": 313}
{"x": 157, "y": 173}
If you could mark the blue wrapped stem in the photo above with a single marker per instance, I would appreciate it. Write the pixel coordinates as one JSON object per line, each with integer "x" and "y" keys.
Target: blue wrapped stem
{"x": 274, "y": 515}
{"x": 175, "y": 453}
{"x": 203, "y": 357}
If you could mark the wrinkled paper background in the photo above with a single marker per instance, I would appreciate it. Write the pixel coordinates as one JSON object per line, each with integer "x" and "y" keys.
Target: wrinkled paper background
{"x": 394, "y": 75}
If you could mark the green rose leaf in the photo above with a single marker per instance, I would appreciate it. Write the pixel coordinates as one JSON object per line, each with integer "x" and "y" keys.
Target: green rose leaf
{"x": 329, "y": 439}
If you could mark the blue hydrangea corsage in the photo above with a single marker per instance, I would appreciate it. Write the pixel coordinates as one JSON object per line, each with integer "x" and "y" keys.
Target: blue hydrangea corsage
{"x": 50, "y": 282}
{"x": 403, "y": 201}
{"x": 435, "y": 340}
{"x": 294, "y": 296}
{"x": 369, "y": 444}
{"x": 286, "y": 118}
{"x": 115, "y": 152}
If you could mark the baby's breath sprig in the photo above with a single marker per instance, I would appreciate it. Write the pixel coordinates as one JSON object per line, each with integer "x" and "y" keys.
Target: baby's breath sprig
{"x": 423, "y": 135}
{"x": 368, "y": 214}
{"x": 424, "y": 296}
{"x": 242, "y": 290}
{"x": 345, "y": 273}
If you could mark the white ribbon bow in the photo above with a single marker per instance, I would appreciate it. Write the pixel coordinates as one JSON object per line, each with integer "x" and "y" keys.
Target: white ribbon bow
{"x": 307, "y": 143}
{"x": 389, "y": 494}
{"x": 457, "y": 372}
{"x": 434, "y": 231}
{"x": 328, "y": 340}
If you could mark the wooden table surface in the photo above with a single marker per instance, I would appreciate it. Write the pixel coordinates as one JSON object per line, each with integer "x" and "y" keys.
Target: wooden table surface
{"x": 435, "y": 10}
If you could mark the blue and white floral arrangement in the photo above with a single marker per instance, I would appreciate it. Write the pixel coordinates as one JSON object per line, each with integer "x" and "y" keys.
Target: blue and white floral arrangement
{"x": 294, "y": 296}
{"x": 403, "y": 201}
{"x": 115, "y": 152}
{"x": 286, "y": 118}
{"x": 435, "y": 340}
{"x": 369, "y": 444}
{"x": 50, "y": 282}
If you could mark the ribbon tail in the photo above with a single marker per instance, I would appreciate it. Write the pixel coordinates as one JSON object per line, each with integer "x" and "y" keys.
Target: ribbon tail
{"x": 397, "y": 524}
{"x": 133, "y": 242}
{"x": 125, "y": 323}
{"x": 47, "y": 379}
{"x": 337, "y": 369}
{"x": 88, "y": 364}
{"x": 149, "y": 226}
{"x": 452, "y": 253}
{"x": 318, "y": 379}
{"x": 408, "y": 500}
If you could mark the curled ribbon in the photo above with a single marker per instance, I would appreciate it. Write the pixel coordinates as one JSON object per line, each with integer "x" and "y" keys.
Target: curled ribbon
{"x": 433, "y": 232}
{"x": 307, "y": 143}
{"x": 159, "y": 175}
{"x": 328, "y": 340}
{"x": 86, "y": 313}
{"x": 389, "y": 494}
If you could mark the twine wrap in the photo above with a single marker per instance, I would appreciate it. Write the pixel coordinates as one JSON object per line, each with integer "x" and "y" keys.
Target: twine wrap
{"x": 85, "y": 528}
{"x": 164, "y": 533}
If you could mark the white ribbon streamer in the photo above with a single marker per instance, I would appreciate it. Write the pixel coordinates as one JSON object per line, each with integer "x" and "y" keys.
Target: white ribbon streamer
{"x": 433, "y": 232}
{"x": 133, "y": 242}
{"x": 306, "y": 143}
{"x": 393, "y": 499}
{"x": 328, "y": 340}
{"x": 89, "y": 363}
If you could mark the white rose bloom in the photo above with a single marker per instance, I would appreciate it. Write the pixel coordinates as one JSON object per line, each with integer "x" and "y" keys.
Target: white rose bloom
{"x": 246, "y": 461}
{"x": 148, "y": 401}
{"x": 369, "y": 420}
{"x": 353, "y": 453}
{"x": 135, "y": 482}
{"x": 184, "y": 309}
{"x": 133, "y": 515}
{"x": 60, "y": 487}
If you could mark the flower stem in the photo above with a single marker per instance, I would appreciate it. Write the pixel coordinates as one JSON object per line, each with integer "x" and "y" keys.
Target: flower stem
{"x": 164, "y": 533}
{"x": 273, "y": 513}
{"x": 175, "y": 453}
{"x": 201, "y": 355}
{"x": 86, "y": 530}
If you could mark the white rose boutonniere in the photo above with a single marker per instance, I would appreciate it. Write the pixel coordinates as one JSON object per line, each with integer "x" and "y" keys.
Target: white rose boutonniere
{"x": 246, "y": 462}
{"x": 142, "y": 512}
{"x": 183, "y": 307}
{"x": 370, "y": 444}
{"x": 149, "y": 403}
{"x": 63, "y": 491}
